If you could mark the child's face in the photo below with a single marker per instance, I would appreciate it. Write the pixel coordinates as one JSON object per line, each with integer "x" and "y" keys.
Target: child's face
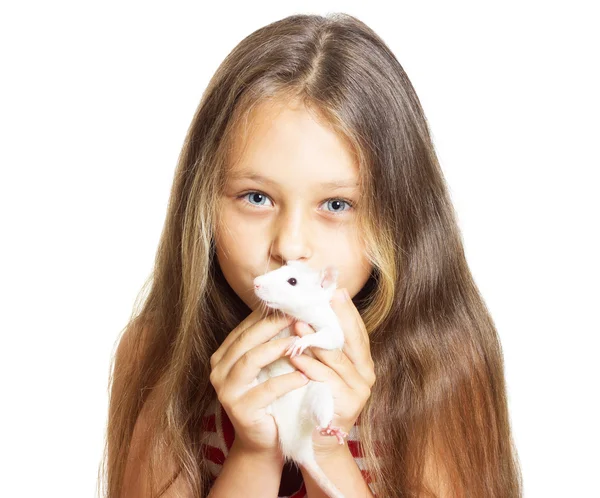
{"x": 264, "y": 224}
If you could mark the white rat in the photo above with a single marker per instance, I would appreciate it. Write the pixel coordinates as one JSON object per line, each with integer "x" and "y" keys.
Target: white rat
{"x": 304, "y": 294}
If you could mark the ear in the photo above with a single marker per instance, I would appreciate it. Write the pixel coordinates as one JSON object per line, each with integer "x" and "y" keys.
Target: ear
{"x": 328, "y": 276}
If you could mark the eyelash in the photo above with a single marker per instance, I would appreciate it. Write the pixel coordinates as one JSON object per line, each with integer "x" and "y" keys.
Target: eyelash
{"x": 347, "y": 201}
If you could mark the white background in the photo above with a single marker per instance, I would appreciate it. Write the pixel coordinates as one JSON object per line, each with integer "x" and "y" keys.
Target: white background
{"x": 95, "y": 101}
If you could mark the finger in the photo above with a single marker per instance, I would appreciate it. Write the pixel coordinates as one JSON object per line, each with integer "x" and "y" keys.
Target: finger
{"x": 260, "y": 333}
{"x": 246, "y": 326}
{"x": 247, "y": 368}
{"x": 362, "y": 361}
{"x": 355, "y": 332}
{"x": 336, "y": 367}
{"x": 273, "y": 388}
{"x": 254, "y": 317}
{"x": 356, "y": 338}
{"x": 342, "y": 364}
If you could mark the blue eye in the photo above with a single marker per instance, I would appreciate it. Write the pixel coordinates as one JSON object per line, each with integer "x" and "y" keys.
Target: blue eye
{"x": 339, "y": 202}
{"x": 259, "y": 198}
{"x": 254, "y": 196}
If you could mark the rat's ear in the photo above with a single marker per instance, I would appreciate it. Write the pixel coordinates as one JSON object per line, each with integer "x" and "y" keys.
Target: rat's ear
{"x": 328, "y": 276}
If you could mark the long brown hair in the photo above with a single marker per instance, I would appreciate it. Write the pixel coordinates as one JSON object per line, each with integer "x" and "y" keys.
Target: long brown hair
{"x": 440, "y": 385}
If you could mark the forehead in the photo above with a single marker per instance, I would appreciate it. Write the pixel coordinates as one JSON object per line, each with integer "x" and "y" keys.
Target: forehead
{"x": 283, "y": 143}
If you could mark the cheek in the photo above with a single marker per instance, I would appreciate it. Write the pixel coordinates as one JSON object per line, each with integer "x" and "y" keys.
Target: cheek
{"x": 347, "y": 251}
{"x": 228, "y": 241}
{"x": 238, "y": 242}
{"x": 240, "y": 248}
{"x": 347, "y": 243}
{"x": 230, "y": 233}
{"x": 360, "y": 265}
{"x": 233, "y": 263}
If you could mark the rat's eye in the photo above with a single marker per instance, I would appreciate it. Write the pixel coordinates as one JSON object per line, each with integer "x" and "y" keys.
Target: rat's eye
{"x": 292, "y": 281}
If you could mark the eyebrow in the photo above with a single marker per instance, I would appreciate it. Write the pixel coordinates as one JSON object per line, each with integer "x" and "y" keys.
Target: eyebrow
{"x": 262, "y": 179}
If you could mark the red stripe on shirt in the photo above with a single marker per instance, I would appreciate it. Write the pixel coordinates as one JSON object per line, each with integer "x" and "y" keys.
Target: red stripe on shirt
{"x": 228, "y": 430}
{"x": 215, "y": 455}
{"x": 355, "y": 448}
{"x": 209, "y": 424}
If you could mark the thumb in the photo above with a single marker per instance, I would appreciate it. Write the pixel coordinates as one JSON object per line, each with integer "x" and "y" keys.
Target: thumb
{"x": 340, "y": 297}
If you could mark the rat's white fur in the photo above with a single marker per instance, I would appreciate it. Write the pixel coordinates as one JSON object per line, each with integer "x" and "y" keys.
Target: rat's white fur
{"x": 298, "y": 412}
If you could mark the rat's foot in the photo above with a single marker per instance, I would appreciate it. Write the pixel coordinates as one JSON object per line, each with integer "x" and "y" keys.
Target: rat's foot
{"x": 333, "y": 431}
{"x": 297, "y": 347}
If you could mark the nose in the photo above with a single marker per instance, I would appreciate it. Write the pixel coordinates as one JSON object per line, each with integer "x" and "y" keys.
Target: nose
{"x": 291, "y": 241}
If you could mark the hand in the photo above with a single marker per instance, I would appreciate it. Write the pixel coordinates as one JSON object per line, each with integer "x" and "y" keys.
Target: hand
{"x": 349, "y": 372}
{"x": 234, "y": 368}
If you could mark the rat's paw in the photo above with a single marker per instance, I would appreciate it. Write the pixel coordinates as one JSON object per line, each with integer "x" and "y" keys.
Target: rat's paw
{"x": 297, "y": 347}
{"x": 333, "y": 431}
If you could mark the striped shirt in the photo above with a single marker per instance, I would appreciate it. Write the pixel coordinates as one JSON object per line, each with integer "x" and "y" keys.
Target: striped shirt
{"x": 221, "y": 436}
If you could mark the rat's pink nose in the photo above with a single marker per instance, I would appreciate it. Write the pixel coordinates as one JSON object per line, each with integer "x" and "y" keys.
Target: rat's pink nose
{"x": 256, "y": 286}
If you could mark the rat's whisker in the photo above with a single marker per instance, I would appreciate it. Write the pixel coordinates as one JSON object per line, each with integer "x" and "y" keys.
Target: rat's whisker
{"x": 263, "y": 308}
{"x": 267, "y": 310}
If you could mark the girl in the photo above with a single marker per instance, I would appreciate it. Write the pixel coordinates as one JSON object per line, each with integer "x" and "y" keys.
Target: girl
{"x": 310, "y": 143}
